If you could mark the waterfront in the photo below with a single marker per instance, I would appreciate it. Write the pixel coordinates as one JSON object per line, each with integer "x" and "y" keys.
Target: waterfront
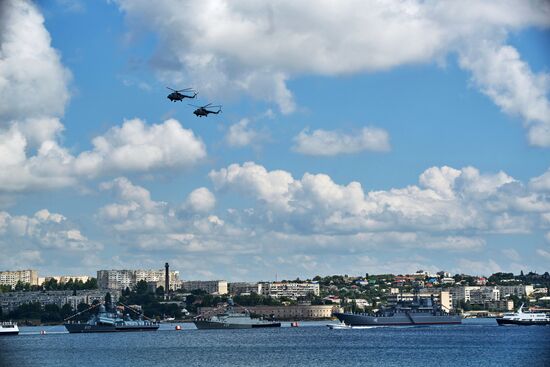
{"x": 478, "y": 342}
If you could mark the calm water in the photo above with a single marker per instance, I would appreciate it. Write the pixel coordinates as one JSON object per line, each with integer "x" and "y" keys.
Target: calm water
{"x": 475, "y": 343}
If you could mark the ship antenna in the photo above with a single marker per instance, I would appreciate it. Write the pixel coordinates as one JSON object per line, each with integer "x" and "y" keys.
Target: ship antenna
{"x": 78, "y": 313}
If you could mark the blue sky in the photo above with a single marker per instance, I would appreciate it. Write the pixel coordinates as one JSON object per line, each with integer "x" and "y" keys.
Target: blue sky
{"x": 365, "y": 137}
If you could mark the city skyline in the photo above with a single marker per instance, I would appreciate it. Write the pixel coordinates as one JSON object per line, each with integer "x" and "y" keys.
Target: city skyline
{"x": 378, "y": 137}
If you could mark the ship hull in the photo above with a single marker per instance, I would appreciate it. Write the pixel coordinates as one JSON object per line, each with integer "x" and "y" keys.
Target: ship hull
{"x": 85, "y": 328}
{"x": 205, "y": 324}
{"x": 9, "y": 333}
{"x": 521, "y": 322}
{"x": 411, "y": 319}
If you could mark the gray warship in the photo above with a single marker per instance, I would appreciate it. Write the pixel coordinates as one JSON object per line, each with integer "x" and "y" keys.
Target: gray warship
{"x": 419, "y": 311}
{"x": 111, "y": 321}
{"x": 230, "y": 319}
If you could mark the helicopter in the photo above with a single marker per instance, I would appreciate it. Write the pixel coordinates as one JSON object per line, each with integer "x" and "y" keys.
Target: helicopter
{"x": 176, "y": 95}
{"x": 202, "y": 110}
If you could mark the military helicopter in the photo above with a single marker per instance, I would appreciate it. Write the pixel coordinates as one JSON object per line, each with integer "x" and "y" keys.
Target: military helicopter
{"x": 202, "y": 110}
{"x": 176, "y": 95}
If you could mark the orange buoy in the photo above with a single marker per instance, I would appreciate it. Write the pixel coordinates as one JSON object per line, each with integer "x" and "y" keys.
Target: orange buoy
{"x": 178, "y": 327}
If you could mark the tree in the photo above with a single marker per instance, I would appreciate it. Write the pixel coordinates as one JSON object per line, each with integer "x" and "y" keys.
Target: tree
{"x": 108, "y": 299}
{"x": 66, "y": 311}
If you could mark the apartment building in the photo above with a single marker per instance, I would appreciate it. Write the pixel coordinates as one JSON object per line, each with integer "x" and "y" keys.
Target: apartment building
{"x": 209, "y": 286}
{"x": 122, "y": 279}
{"x": 292, "y": 290}
{"x": 12, "y": 277}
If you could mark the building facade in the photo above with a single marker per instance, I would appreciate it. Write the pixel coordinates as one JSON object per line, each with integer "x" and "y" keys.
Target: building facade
{"x": 122, "y": 279}
{"x": 11, "y": 278}
{"x": 239, "y": 288}
{"x": 442, "y": 297}
{"x": 292, "y": 290}
{"x": 11, "y": 300}
{"x": 209, "y": 286}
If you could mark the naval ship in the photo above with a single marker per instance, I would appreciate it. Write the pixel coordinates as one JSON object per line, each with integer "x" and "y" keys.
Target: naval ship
{"x": 232, "y": 320}
{"x": 419, "y": 311}
{"x": 111, "y": 321}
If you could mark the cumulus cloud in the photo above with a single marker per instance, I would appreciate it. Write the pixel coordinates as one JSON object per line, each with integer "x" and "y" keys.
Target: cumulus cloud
{"x": 329, "y": 143}
{"x": 201, "y": 200}
{"x": 137, "y": 147}
{"x": 500, "y": 73}
{"x": 132, "y": 147}
{"x": 33, "y": 82}
{"x": 43, "y": 230}
{"x": 34, "y": 92}
{"x": 241, "y": 134}
{"x": 448, "y": 199}
{"x": 257, "y": 47}
{"x": 541, "y": 183}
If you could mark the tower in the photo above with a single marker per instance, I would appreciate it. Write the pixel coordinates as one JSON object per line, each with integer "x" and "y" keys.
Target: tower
{"x": 166, "y": 281}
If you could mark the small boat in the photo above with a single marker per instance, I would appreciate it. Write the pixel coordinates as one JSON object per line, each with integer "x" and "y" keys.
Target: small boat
{"x": 111, "y": 321}
{"x": 524, "y": 318}
{"x": 8, "y": 328}
{"x": 340, "y": 325}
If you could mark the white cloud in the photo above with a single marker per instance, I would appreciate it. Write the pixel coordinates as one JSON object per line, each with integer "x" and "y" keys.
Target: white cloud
{"x": 241, "y": 134}
{"x": 451, "y": 200}
{"x": 43, "y": 230}
{"x": 509, "y": 82}
{"x": 543, "y": 253}
{"x": 201, "y": 200}
{"x": 137, "y": 147}
{"x": 135, "y": 211}
{"x": 329, "y": 143}
{"x": 257, "y": 47}
{"x": 541, "y": 183}
{"x": 34, "y": 92}
{"x": 33, "y": 83}
{"x": 132, "y": 147}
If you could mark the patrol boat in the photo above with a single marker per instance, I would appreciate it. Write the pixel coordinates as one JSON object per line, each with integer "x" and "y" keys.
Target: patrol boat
{"x": 232, "y": 320}
{"x": 8, "y": 328}
{"x": 524, "y": 318}
{"x": 419, "y": 311}
{"x": 111, "y": 321}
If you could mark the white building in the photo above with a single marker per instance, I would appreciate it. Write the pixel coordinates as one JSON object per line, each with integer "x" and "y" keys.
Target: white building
{"x": 292, "y": 290}
{"x": 122, "y": 279}
{"x": 209, "y": 286}
{"x": 11, "y": 278}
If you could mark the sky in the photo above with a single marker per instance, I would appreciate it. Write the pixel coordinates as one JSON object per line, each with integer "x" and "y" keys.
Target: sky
{"x": 355, "y": 137}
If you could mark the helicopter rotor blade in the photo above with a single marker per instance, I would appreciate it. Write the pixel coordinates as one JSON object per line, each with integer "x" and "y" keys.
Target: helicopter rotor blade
{"x": 171, "y": 89}
{"x": 194, "y": 105}
{"x": 185, "y": 90}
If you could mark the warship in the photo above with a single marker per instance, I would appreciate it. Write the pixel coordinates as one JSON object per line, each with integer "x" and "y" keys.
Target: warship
{"x": 111, "y": 321}
{"x": 230, "y": 319}
{"x": 419, "y": 311}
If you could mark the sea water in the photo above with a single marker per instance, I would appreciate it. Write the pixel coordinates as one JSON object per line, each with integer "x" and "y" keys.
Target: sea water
{"x": 477, "y": 342}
